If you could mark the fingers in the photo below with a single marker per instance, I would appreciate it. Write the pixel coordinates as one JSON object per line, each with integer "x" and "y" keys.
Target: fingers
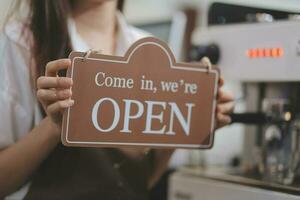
{"x": 223, "y": 120}
{"x": 223, "y": 111}
{"x": 225, "y": 108}
{"x": 224, "y": 96}
{"x": 45, "y": 95}
{"x": 45, "y": 82}
{"x": 221, "y": 81}
{"x": 54, "y": 92}
{"x": 59, "y": 106}
{"x": 54, "y": 66}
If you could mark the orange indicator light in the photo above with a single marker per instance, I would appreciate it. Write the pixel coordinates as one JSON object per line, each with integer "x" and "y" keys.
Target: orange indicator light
{"x": 265, "y": 52}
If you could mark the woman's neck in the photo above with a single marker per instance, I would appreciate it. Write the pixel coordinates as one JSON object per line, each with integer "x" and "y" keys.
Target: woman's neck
{"x": 96, "y": 23}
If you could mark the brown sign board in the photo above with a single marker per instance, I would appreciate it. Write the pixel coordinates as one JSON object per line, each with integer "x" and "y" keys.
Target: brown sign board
{"x": 144, "y": 99}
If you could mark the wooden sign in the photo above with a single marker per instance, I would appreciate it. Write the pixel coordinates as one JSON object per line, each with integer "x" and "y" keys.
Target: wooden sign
{"x": 142, "y": 99}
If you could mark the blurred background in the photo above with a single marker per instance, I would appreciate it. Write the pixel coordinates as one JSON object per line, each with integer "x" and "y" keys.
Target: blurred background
{"x": 167, "y": 20}
{"x": 256, "y": 44}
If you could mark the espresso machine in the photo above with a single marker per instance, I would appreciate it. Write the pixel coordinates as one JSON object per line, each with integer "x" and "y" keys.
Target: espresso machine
{"x": 259, "y": 49}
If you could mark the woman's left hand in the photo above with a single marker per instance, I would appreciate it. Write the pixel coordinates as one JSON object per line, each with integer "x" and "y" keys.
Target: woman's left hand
{"x": 225, "y": 106}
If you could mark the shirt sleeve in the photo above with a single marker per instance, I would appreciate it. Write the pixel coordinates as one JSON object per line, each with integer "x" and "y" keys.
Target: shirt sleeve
{"x": 16, "y": 96}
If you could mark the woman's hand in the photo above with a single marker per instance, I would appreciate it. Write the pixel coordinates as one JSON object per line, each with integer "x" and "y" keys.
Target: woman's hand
{"x": 54, "y": 92}
{"x": 20, "y": 160}
{"x": 225, "y": 106}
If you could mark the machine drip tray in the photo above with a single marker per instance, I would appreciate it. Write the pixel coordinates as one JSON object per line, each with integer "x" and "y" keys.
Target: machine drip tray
{"x": 235, "y": 176}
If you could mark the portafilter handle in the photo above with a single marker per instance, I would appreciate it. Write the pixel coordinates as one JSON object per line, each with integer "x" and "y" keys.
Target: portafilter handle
{"x": 257, "y": 118}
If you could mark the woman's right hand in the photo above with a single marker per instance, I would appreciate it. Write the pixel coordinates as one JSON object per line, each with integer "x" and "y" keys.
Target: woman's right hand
{"x": 54, "y": 92}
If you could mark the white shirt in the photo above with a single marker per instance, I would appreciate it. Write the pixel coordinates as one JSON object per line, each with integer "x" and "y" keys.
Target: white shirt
{"x": 18, "y": 104}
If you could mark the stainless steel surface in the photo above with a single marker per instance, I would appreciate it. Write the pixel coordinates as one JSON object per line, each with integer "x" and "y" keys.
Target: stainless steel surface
{"x": 280, "y": 148}
{"x": 265, "y": 58}
{"x": 212, "y": 184}
{"x": 236, "y": 42}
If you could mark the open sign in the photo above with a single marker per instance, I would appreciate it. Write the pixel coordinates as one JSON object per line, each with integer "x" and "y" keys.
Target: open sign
{"x": 142, "y": 99}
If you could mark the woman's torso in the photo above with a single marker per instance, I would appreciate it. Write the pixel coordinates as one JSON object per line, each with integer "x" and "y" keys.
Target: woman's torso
{"x": 64, "y": 164}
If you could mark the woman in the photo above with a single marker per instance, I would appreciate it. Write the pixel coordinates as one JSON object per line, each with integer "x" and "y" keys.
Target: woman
{"x": 32, "y": 160}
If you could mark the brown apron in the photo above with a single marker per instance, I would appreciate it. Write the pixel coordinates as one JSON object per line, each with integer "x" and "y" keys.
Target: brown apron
{"x": 91, "y": 173}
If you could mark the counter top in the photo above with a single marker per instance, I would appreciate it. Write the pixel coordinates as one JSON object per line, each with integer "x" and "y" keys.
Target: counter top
{"x": 235, "y": 176}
